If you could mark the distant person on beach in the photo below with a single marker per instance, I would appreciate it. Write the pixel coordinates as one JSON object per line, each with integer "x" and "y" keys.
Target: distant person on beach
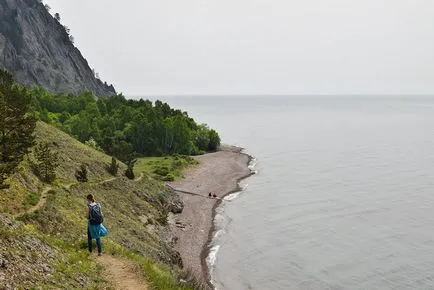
{"x": 95, "y": 228}
{"x": 214, "y": 195}
{"x": 209, "y": 195}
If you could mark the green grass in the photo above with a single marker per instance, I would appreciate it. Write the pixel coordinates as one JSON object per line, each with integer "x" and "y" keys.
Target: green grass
{"x": 32, "y": 198}
{"x": 60, "y": 224}
{"x": 63, "y": 266}
{"x": 167, "y": 168}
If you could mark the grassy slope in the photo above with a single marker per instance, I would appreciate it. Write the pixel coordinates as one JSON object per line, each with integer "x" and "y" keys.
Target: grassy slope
{"x": 135, "y": 214}
{"x": 158, "y": 166}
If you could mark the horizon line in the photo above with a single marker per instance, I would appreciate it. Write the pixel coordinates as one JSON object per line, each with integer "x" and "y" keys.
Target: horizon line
{"x": 279, "y": 95}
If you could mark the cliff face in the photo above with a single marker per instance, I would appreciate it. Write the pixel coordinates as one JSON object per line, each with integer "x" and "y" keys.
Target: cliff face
{"x": 37, "y": 50}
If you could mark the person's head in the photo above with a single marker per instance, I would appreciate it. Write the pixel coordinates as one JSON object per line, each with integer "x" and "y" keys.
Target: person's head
{"x": 90, "y": 198}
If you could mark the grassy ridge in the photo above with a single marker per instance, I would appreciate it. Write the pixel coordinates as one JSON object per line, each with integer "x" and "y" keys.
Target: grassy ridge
{"x": 135, "y": 215}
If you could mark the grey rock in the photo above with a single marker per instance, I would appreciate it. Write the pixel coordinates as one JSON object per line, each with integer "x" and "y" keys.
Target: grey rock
{"x": 176, "y": 205}
{"x": 37, "y": 50}
{"x": 4, "y": 263}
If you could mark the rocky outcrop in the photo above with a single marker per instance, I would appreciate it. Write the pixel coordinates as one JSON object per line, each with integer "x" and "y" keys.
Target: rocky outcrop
{"x": 176, "y": 204}
{"x": 38, "y": 51}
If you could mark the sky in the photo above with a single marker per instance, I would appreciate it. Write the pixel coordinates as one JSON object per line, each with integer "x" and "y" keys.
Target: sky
{"x": 216, "y": 47}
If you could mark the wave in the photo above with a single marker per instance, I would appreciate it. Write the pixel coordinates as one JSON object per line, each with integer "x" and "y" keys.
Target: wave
{"x": 221, "y": 221}
{"x": 212, "y": 256}
{"x": 236, "y": 194}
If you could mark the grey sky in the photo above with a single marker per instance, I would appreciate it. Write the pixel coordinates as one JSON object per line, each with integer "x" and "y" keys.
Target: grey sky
{"x": 256, "y": 46}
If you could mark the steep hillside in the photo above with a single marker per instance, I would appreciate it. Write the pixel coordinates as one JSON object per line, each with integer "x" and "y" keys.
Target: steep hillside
{"x": 38, "y": 51}
{"x": 43, "y": 231}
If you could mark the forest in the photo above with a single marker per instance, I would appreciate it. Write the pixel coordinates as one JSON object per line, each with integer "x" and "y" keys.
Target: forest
{"x": 124, "y": 128}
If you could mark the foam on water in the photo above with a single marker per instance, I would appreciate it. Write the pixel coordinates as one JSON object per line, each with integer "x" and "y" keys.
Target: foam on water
{"x": 221, "y": 221}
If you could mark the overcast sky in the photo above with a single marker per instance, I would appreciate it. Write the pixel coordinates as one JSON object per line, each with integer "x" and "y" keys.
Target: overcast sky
{"x": 256, "y": 46}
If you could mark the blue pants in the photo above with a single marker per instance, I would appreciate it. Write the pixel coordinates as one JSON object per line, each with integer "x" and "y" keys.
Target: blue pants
{"x": 89, "y": 242}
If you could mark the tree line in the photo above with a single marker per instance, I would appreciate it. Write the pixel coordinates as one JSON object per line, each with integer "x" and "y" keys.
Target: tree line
{"x": 125, "y": 128}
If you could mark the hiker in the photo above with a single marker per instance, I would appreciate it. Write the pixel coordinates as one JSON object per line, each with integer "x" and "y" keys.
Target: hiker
{"x": 95, "y": 228}
{"x": 209, "y": 195}
{"x": 214, "y": 195}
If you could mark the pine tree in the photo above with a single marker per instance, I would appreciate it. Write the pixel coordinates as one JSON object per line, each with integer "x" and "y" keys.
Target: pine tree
{"x": 46, "y": 162}
{"x": 130, "y": 172}
{"x": 81, "y": 173}
{"x": 16, "y": 126}
{"x": 114, "y": 166}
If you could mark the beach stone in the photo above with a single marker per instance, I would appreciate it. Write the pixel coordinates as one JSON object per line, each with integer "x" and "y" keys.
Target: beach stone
{"x": 176, "y": 259}
{"x": 176, "y": 205}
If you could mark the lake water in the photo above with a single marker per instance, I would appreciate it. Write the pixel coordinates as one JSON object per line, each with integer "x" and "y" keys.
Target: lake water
{"x": 343, "y": 198}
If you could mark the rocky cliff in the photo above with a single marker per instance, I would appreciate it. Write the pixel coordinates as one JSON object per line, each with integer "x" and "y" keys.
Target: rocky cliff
{"x": 37, "y": 49}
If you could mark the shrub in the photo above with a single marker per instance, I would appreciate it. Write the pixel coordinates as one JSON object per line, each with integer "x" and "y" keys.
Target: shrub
{"x": 169, "y": 177}
{"x": 162, "y": 171}
{"x": 113, "y": 167}
{"x": 178, "y": 164}
{"x": 92, "y": 143}
{"x": 214, "y": 140}
{"x": 32, "y": 198}
{"x": 81, "y": 173}
{"x": 130, "y": 172}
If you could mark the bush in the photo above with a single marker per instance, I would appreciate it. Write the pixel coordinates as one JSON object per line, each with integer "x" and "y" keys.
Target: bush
{"x": 178, "y": 164}
{"x": 214, "y": 140}
{"x": 113, "y": 167}
{"x": 162, "y": 171}
{"x": 162, "y": 220}
{"x": 32, "y": 198}
{"x": 169, "y": 177}
{"x": 130, "y": 170}
{"x": 81, "y": 173}
{"x": 92, "y": 143}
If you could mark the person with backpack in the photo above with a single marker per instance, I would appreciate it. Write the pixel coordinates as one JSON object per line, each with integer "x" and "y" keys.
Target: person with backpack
{"x": 95, "y": 228}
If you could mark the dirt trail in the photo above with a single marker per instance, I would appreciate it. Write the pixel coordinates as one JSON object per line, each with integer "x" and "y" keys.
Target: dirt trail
{"x": 40, "y": 203}
{"x": 140, "y": 177}
{"x": 107, "y": 180}
{"x": 43, "y": 197}
{"x": 123, "y": 273}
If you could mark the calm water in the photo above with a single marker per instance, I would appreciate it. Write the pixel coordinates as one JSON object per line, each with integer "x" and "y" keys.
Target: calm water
{"x": 343, "y": 198}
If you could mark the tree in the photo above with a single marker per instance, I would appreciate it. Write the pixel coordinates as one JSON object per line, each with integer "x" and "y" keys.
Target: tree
{"x": 113, "y": 168}
{"x": 16, "y": 126}
{"x": 71, "y": 38}
{"x": 92, "y": 143}
{"x": 46, "y": 162}
{"x": 202, "y": 137}
{"x": 125, "y": 128}
{"x": 57, "y": 16}
{"x": 47, "y": 7}
{"x": 81, "y": 173}
{"x": 130, "y": 172}
{"x": 214, "y": 140}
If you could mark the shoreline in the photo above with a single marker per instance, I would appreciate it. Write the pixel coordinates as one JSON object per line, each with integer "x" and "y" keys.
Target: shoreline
{"x": 219, "y": 173}
{"x": 207, "y": 248}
